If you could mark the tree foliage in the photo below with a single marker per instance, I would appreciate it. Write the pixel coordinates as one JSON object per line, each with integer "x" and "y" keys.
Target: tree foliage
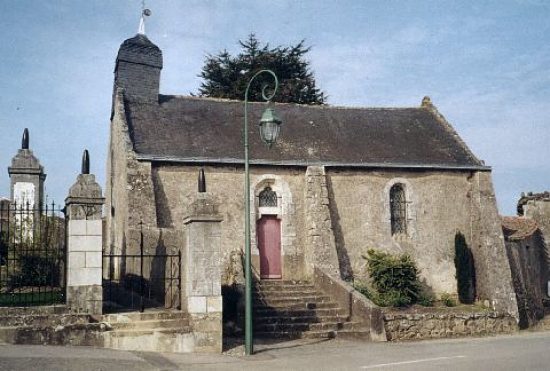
{"x": 225, "y": 76}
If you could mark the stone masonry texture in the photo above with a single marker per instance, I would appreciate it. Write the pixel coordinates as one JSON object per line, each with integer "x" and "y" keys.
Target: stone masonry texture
{"x": 84, "y": 246}
{"x": 320, "y": 250}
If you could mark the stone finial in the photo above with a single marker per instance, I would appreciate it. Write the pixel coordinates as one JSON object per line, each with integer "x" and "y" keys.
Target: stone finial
{"x": 202, "y": 181}
{"x": 85, "y": 162}
{"x": 426, "y": 102}
{"x": 25, "y": 139}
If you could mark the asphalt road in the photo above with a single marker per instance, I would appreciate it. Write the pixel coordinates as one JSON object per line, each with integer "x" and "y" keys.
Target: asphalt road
{"x": 524, "y": 351}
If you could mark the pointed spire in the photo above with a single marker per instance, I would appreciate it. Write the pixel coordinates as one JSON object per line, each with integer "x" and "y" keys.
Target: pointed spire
{"x": 85, "y": 162}
{"x": 144, "y": 13}
{"x": 202, "y": 181}
{"x": 25, "y": 140}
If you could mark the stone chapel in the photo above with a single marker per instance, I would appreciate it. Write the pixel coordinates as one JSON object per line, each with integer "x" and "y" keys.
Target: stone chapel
{"x": 339, "y": 181}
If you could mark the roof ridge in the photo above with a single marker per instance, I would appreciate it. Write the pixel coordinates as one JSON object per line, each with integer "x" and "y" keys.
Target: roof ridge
{"x": 314, "y": 106}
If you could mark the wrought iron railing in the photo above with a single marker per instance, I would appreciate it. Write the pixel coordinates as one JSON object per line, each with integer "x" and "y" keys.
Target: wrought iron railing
{"x": 32, "y": 254}
{"x": 144, "y": 280}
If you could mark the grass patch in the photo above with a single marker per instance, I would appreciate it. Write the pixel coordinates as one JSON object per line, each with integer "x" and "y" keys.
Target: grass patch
{"x": 24, "y": 299}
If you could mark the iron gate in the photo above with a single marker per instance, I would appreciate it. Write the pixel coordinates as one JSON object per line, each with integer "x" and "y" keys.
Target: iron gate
{"x": 143, "y": 280}
{"x": 32, "y": 255}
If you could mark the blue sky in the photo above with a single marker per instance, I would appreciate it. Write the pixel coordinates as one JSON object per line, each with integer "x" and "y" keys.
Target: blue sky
{"x": 486, "y": 66}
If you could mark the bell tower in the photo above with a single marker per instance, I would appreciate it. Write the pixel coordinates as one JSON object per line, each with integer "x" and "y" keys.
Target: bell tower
{"x": 138, "y": 66}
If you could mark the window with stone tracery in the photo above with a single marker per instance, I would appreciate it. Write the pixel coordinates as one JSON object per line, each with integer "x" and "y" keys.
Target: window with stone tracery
{"x": 398, "y": 209}
{"x": 268, "y": 198}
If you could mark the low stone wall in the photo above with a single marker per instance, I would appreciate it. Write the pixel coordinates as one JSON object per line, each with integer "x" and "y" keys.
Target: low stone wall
{"x": 49, "y": 326}
{"x": 359, "y": 308}
{"x": 419, "y": 326}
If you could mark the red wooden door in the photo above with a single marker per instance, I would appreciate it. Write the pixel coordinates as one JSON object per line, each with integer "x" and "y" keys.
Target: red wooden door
{"x": 269, "y": 244}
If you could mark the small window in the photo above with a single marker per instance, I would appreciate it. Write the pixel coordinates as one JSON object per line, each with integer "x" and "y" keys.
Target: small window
{"x": 398, "y": 209}
{"x": 268, "y": 198}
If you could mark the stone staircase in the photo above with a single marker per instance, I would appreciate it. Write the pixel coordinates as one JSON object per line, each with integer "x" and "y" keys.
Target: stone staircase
{"x": 294, "y": 309}
{"x": 153, "y": 331}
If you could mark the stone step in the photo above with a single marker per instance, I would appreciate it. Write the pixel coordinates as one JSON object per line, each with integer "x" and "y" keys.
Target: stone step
{"x": 306, "y": 318}
{"x": 151, "y": 331}
{"x": 296, "y": 335}
{"x": 297, "y": 327}
{"x": 265, "y": 283}
{"x": 151, "y": 324}
{"x": 275, "y": 288}
{"x": 156, "y": 340}
{"x": 295, "y": 305}
{"x": 292, "y": 300}
{"x": 354, "y": 334}
{"x": 289, "y": 312}
{"x": 285, "y": 293}
{"x": 145, "y": 316}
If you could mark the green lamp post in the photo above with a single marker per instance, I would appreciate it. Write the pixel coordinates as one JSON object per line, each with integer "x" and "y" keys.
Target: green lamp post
{"x": 270, "y": 126}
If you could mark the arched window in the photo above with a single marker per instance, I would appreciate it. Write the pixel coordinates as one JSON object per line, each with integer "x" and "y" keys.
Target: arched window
{"x": 398, "y": 209}
{"x": 268, "y": 197}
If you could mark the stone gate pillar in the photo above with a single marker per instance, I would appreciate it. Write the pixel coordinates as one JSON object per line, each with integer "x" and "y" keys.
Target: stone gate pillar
{"x": 201, "y": 288}
{"x": 84, "y": 243}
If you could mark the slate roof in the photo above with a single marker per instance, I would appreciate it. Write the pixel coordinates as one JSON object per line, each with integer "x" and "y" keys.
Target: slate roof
{"x": 518, "y": 228}
{"x": 190, "y": 129}
{"x": 139, "y": 49}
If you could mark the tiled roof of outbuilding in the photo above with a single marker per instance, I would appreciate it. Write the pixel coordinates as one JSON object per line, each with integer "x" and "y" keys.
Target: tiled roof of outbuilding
{"x": 190, "y": 129}
{"x": 518, "y": 228}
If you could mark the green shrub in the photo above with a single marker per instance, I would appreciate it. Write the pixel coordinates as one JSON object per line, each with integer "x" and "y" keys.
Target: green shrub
{"x": 394, "y": 279}
{"x": 426, "y": 299}
{"x": 448, "y": 300}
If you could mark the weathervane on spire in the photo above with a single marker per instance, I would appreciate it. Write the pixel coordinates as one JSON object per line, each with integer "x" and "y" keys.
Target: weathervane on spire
{"x": 144, "y": 13}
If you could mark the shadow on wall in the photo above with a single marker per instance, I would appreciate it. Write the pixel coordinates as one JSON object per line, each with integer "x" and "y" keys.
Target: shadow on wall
{"x": 157, "y": 274}
{"x": 465, "y": 270}
{"x": 164, "y": 215}
{"x": 346, "y": 270}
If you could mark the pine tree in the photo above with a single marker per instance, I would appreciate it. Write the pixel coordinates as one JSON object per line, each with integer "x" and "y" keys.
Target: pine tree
{"x": 226, "y": 76}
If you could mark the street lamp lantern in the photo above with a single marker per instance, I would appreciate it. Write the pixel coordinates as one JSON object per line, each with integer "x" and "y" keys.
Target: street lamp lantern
{"x": 270, "y": 125}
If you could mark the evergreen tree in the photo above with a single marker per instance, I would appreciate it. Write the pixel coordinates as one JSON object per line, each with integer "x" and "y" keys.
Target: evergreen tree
{"x": 226, "y": 76}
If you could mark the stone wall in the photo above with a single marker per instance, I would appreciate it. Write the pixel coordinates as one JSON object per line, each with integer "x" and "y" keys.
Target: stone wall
{"x": 357, "y": 306}
{"x": 529, "y": 271}
{"x": 175, "y": 190}
{"x": 493, "y": 274}
{"x": 130, "y": 199}
{"x": 320, "y": 250}
{"x": 537, "y": 207}
{"x": 358, "y": 217}
{"x": 439, "y": 205}
{"x": 447, "y": 325}
{"x": 361, "y": 219}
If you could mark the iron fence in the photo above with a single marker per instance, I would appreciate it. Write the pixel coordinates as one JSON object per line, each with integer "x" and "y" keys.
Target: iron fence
{"x": 139, "y": 281}
{"x": 32, "y": 254}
